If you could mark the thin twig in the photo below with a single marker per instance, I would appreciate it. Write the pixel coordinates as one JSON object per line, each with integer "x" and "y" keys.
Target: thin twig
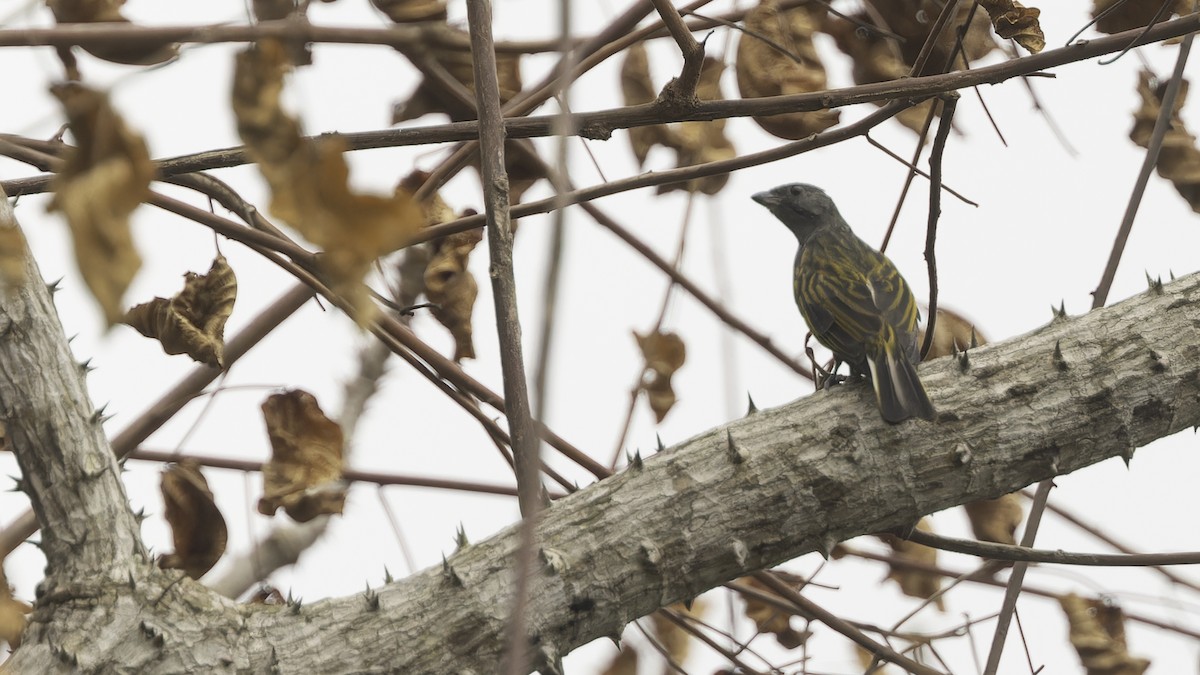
{"x": 949, "y": 103}
{"x": 681, "y": 90}
{"x": 918, "y": 170}
{"x": 992, "y": 551}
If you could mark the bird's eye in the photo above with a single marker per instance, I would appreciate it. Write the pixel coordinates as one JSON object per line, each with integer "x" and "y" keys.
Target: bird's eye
{"x": 796, "y": 190}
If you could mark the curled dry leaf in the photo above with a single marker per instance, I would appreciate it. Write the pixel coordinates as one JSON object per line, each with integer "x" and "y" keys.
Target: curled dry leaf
{"x": 914, "y": 19}
{"x": 914, "y": 582}
{"x": 117, "y": 51}
{"x": 701, "y": 142}
{"x": 664, "y": 354}
{"x": 267, "y": 595}
{"x": 951, "y": 334}
{"x": 12, "y": 615}
{"x": 104, "y": 179}
{"x": 192, "y": 322}
{"x": 771, "y": 619}
{"x": 412, "y": 11}
{"x": 1115, "y": 16}
{"x": 12, "y": 255}
{"x": 1013, "y": 20}
{"x": 625, "y": 662}
{"x": 638, "y": 88}
{"x": 197, "y": 527}
{"x": 1179, "y": 159}
{"x": 451, "y": 287}
{"x": 1098, "y": 636}
{"x": 309, "y": 180}
{"x": 776, "y": 56}
{"x": 450, "y": 47}
{"x": 996, "y": 519}
{"x": 305, "y": 470}
{"x": 675, "y": 640}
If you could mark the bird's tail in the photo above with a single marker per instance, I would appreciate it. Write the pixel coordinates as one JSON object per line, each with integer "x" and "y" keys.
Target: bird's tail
{"x": 898, "y": 390}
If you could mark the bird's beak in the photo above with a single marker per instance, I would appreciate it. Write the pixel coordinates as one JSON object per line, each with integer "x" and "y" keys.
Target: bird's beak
{"x": 767, "y": 199}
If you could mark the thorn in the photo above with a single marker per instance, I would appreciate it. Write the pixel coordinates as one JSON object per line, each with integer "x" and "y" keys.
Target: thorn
{"x": 1157, "y": 365}
{"x": 651, "y": 554}
{"x": 1059, "y": 361}
{"x": 687, "y": 604}
{"x": 635, "y": 461}
{"x": 736, "y": 455}
{"x": 750, "y": 408}
{"x": 1172, "y": 273}
{"x": 294, "y": 603}
{"x": 53, "y": 286}
{"x": 1060, "y": 312}
{"x": 826, "y": 546}
{"x": 387, "y": 576}
{"x": 661, "y": 447}
{"x": 450, "y": 574}
{"x": 974, "y": 338}
{"x": 964, "y": 361}
{"x": 1156, "y": 285}
{"x": 140, "y": 516}
{"x": 962, "y": 454}
{"x": 1127, "y": 455}
{"x": 372, "y": 598}
{"x": 616, "y": 640}
{"x": 740, "y": 553}
{"x": 132, "y": 581}
{"x": 460, "y": 538}
{"x": 18, "y": 484}
{"x": 85, "y": 366}
{"x": 553, "y": 560}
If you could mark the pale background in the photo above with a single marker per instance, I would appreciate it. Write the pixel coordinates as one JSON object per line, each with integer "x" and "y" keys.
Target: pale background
{"x": 1041, "y": 236}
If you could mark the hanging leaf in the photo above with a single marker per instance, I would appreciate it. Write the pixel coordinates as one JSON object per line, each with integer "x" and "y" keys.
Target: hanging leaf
{"x": 197, "y": 527}
{"x": 117, "y": 51}
{"x": 788, "y": 64}
{"x": 103, "y": 180}
{"x": 637, "y": 88}
{"x": 412, "y": 11}
{"x": 951, "y": 334}
{"x": 1013, "y": 20}
{"x": 1179, "y": 159}
{"x": 309, "y": 181}
{"x": 674, "y": 640}
{"x": 451, "y": 287}
{"x": 769, "y": 618}
{"x": 12, "y": 614}
{"x": 996, "y": 519}
{"x": 192, "y": 322}
{"x": 914, "y": 582}
{"x": 1098, "y": 636}
{"x": 625, "y": 662}
{"x": 304, "y": 474}
{"x": 664, "y": 354}
{"x": 702, "y": 142}
{"x": 12, "y": 253}
{"x": 1123, "y": 15}
{"x": 913, "y": 21}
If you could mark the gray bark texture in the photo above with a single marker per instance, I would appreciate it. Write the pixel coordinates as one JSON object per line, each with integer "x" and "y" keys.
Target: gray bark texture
{"x": 747, "y": 495}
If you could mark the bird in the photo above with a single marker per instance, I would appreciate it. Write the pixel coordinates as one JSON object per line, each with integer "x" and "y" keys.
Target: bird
{"x": 853, "y": 299}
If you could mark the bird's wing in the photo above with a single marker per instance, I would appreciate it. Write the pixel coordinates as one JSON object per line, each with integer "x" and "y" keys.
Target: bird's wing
{"x": 895, "y": 302}
{"x": 838, "y": 301}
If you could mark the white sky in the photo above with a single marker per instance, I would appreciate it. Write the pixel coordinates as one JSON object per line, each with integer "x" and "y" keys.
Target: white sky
{"x": 1040, "y": 236}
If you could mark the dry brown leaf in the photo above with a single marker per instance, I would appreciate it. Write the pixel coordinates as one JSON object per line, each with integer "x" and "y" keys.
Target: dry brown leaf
{"x": 117, "y": 51}
{"x": 1098, "y": 636}
{"x": 103, "y": 180}
{"x": 192, "y": 322}
{"x": 625, "y": 662}
{"x": 451, "y": 287}
{"x": 197, "y": 527}
{"x": 1130, "y": 14}
{"x": 1013, "y": 20}
{"x": 914, "y": 582}
{"x": 305, "y": 470}
{"x": 996, "y": 519}
{"x": 675, "y": 640}
{"x": 308, "y": 180}
{"x": 913, "y": 19}
{"x": 763, "y": 70}
{"x": 1179, "y": 159}
{"x": 770, "y": 619}
{"x": 267, "y": 595}
{"x": 12, "y": 615}
{"x": 12, "y": 256}
{"x": 702, "y": 142}
{"x": 412, "y": 11}
{"x": 638, "y": 88}
{"x": 664, "y": 354}
{"x": 951, "y": 334}
{"x": 450, "y": 47}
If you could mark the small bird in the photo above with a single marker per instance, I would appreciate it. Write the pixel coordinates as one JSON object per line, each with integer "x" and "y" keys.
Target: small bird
{"x": 853, "y": 299}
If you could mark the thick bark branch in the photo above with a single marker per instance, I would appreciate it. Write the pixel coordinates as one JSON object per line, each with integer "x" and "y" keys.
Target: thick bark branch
{"x": 743, "y": 496}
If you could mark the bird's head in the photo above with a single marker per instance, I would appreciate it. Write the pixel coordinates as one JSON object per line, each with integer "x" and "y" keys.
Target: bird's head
{"x": 801, "y": 207}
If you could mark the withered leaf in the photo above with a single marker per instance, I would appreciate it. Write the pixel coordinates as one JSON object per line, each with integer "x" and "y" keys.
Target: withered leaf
{"x": 267, "y": 595}
{"x": 452, "y": 289}
{"x": 450, "y": 48}
{"x": 12, "y": 255}
{"x": 702, "y": 142}
{"x": 1097, "y": 632}
{"x": 914, "y": 582}
{"x": 412, "y": 11}
{"x": 673, "y": 639}
{"x": 625, "y": 662}
{"x": 1013, "y": 20}
{"x": 308, "y": 180}
{"x": 770, "y": 618}
{"x": 664, "y": 354}
{"x": 192, "y": 322}
{"x": 913, "y": 21}
{"x": 12, "y": 614}
{"x": 951, "y": 334}
{"x": 1115, "y": 16}
{"x": 996, "y": 519}
{"x": 117, "y": 51}
{"x": 103, "y": 180}
{"x": 197, "y": 526}
{"x": 1179, "y": 159}
{"x": 764, "y": 70}
{"x": 637, "y": 88}
{"x": 304, "y": 474}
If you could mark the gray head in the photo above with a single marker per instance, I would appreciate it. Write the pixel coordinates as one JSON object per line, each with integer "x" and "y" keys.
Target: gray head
{"x": 801, "y": 207}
